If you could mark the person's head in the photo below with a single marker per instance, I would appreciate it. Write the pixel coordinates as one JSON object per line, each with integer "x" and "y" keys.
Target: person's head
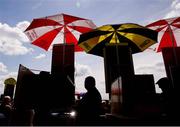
{"x": 90, "y": 82}
{"x": 6, "y": 100}
{"x": 164, "y": 84}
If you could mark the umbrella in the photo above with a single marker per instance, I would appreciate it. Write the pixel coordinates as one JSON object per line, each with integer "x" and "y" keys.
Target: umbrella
{"x": 137, "y": 37}
{"x": 10, "y": 81}
{"x": 60, "y": 28}
{"x": 169, "y": 32}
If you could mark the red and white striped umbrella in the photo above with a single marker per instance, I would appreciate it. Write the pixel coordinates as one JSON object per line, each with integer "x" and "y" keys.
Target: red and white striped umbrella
{"x": 168, "y": 32}
{"x": 60, "y": 28}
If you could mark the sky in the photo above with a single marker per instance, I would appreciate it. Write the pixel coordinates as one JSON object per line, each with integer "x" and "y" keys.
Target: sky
{"x": 15, "y": 48}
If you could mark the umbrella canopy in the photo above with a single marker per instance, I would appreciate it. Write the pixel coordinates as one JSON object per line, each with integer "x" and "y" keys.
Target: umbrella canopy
{"x": 169, "y": 32}
{"x": 60, "y": 28}
{"x": 10, "y": 81}
{"x": 137, "y": 37}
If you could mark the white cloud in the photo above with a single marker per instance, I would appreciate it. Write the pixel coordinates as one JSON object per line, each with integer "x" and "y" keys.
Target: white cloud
{"x": 12, "y": 39}
{"x": 175, "y": 4}
{"x": 40, "y": 56}
{"x": 3, "y": 68}
{"x": 175, "y": 9}
{"x": 82, "y": 70}
{"x": 157, "y": 69}
{"x": 23, "y": 25}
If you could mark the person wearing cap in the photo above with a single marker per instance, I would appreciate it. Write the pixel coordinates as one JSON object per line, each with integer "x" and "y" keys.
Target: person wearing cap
{"x": 166, "y": 97}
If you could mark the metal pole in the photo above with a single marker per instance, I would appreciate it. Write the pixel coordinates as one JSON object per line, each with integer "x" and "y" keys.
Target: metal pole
{"x": 173, "y": 45}
{"x": 118, "y": 68}
{"x": 174, "y": 53}
{"x": 64, "y": 47}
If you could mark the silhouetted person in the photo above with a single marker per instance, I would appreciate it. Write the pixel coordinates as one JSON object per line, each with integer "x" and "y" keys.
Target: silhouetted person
{"x": 166, "y": 98}
{"x": 6, "y": 108}
{"x": 42, "y": 100}
{"x": 89, "y": 107}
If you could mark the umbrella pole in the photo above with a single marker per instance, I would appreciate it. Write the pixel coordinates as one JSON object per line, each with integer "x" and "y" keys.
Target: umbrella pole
{"x": 118, "y": 62}
{"x": 118, "y": 67}
{"x": 64, "y": 49}
{"x": 174, "y": 51}
{"x": 117, "y": 54}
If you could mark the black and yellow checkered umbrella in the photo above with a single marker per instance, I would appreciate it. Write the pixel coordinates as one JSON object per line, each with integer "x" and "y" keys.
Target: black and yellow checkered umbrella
{"x": 137, "y": 37}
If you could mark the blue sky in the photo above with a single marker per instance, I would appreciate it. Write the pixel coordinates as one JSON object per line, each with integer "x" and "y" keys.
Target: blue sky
{"x": 15, "y": 48}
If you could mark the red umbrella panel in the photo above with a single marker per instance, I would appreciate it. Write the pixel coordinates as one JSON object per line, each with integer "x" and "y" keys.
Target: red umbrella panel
{"x": 168, "y": 32}
{"x": 60, "y": 28}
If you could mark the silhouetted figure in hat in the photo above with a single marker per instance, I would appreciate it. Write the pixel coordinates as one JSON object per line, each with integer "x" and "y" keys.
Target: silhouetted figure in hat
{"x": 166, "y": 98}
{"x": 89, "y": 107}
